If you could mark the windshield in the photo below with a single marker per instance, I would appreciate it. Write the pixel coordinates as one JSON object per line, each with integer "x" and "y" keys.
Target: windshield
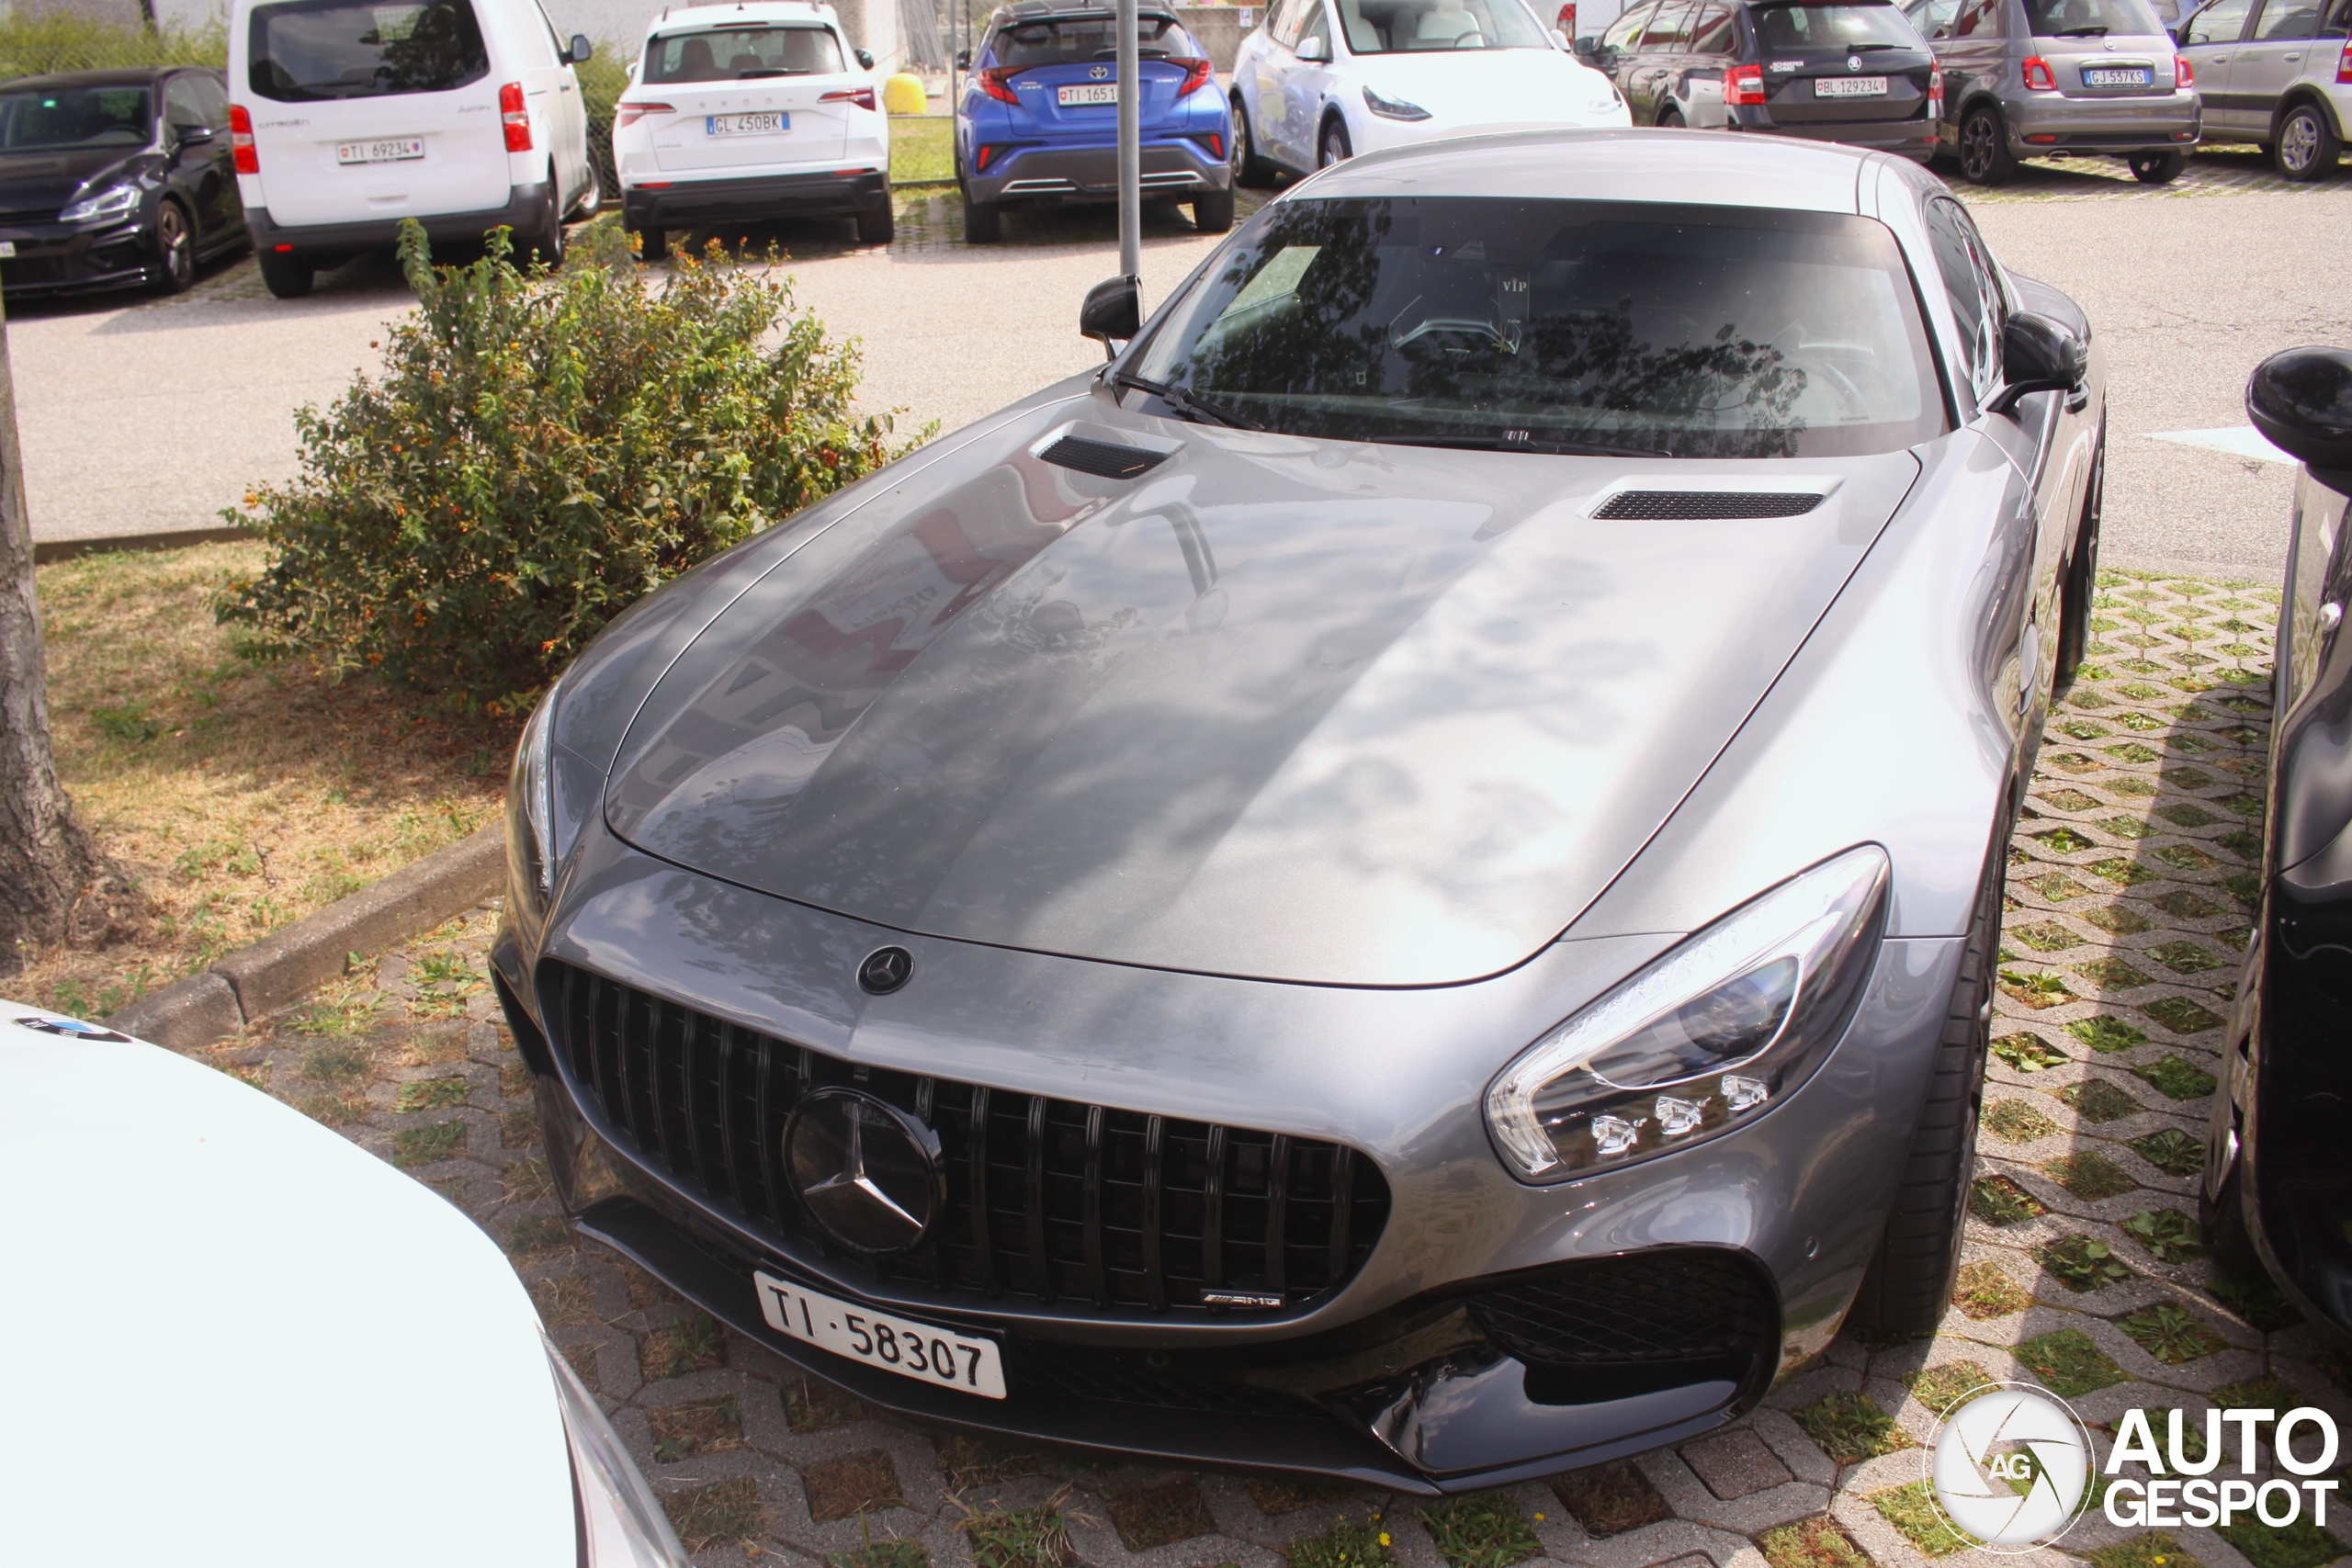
{"x": 2091, "y": 18}
{"x": 1790, "y": 28}
{"x": 335, "y": 49}
{"x": 1698, "y": 330}
{"x": 1074, "y": 41}
{"x": 725, "y": 54}
{"x": 1397, "y": 27}
{"x": 76, "y": 117}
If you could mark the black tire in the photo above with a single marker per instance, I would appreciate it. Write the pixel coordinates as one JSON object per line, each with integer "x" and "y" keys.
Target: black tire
{"x": 1249, "y": 170}
{"x": 1670, "y": 118}
{"x": 1909, "y": 1283}
{"x": 592, "y": 200}
{"x": 547, "y": 243}
{"x": 2307, "y": 146}
{"x": 288, "y": 276}
{"x": 1333, "y": 146}
{"x": 652, "y": 244}
{"x": 1984, "y": 156}
{"x": 175, "y": 249}
{"x": 2081, "y": 573}
{"x": 2157, "y": 168}
{"x": 1213, "y": 212}
{"x": 2220, "y": 1218}
{"x": 983, "y": 221}
{"x": 876, "y": 224}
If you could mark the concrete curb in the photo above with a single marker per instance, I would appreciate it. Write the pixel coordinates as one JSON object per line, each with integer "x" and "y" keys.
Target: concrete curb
{"x": 47, "y": 551}
{"x": 278, "y": 970}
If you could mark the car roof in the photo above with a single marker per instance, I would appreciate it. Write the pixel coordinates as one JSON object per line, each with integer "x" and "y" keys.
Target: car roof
{"x": 678, "y": 16}
{"x": 1705, "y": 168}
{"x": 1069, "y": 11}
{"x": 113, "y": 76}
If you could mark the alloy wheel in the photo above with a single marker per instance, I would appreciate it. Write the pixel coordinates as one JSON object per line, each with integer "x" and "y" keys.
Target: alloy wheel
{"x": 1335, "y": 146}
{"x": 175, "y": 248}
{"x": 2298, "y": 143}
{"x": 1237, "y": 158}
{"x": 1977, "y": 146}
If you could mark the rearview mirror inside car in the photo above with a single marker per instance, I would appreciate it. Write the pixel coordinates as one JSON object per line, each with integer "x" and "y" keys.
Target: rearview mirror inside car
{"x": 1112, "y": 311}
{"x": 1314, "y": 50}
{"x": 2038, "y": 354}
{"x": 581, "y": 51}
{"x": 2302, "y": 401}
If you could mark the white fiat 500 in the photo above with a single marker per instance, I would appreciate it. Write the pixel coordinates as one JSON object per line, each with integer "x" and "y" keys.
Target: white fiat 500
{"x": 1323, "y": 80}
{"x": 742, "y": 114}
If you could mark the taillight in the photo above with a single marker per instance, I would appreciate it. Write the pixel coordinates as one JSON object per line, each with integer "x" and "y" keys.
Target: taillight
{"x": 2185, "y": 75}
{"x": 517, "y": 119}
{"x": 997, "y": 82}
{"x": 2343, "y": 67}
{"x": 1196, "y": 72}
{"x": 241, "y": 141}
{"x": 980, "y": 159}
{"x": 1566, "y": 21}
{"x": 1214, "y": 142}
{"x": 2038, "y": 75}
{"x": 626, "y": 114}
{"x": 1744, "y": 84}
{"x": 862, "y": 97}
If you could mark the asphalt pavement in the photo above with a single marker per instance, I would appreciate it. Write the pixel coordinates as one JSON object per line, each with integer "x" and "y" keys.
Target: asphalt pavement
{"x": 141, "y": 415}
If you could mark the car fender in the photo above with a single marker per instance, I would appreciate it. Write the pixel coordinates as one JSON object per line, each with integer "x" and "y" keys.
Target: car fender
{"x": 2304, "y": 92}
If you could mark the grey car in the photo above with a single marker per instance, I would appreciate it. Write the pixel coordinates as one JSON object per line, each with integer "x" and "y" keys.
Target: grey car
{"x": 2277, "y": 73}
{"x": 2041, "y": 78}
{"x": 1401, "y": 883}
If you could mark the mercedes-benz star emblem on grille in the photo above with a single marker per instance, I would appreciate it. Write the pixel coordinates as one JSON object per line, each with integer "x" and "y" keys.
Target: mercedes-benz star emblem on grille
{"x": 1853, "y": 62}
{"x": 885, "y": 969}
{"x": 1098, "y": 73}
{"x": 867, "y": 1172}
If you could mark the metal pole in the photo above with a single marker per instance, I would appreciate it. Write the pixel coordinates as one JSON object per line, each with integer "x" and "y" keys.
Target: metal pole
{"x": 1130, "y": 146}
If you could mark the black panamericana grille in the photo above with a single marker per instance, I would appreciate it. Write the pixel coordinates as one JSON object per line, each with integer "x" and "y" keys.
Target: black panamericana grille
{"x": 1694, "y": 506}
{"x": 1051, "y": 1198}
{"x": 1103, "y": 459}
{"x": 1678, "y": 1304}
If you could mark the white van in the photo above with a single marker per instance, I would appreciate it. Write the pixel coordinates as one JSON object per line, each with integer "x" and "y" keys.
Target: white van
{"x": 347, "y": 116}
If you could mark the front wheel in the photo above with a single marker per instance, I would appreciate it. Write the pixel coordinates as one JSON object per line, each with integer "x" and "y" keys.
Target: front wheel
{"x": 2307, "y": 147}
{"x": 1670, "y": 118}
{"x": 2158, "y": 168}
{"x": 2081, "y": 573}
{"x": 1336, "y": 148}
{"x": 547, "y": 243}
{"x": 1984, "y": 156}
{"x": 288, "y": 276}
{"x": 1249, "y": 170}
{"x": 1213, "y": 212}
{"x": 175, "y": 249}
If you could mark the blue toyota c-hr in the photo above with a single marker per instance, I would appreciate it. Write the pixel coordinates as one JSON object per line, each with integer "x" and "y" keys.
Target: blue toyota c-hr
{"x": 1038, "y": 122}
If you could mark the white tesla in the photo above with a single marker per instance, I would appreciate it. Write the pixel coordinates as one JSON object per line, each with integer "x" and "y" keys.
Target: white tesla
{"x": 1323, "y": 80}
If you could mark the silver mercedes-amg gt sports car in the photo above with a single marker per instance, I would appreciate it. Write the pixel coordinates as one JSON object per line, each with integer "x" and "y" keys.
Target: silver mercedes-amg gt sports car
{"x": 1399, "y": 884}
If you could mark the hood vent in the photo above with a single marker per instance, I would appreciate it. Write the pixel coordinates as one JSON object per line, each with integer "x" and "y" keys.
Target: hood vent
{"x": 1103, "y": 459}
{"x": 1658, "y": 505}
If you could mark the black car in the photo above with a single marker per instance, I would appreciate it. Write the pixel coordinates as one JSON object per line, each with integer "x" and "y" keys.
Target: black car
{"x": 113, "y": 179}
{"x": 1852, "y": 71}
{"x": 2277, "y": 1165}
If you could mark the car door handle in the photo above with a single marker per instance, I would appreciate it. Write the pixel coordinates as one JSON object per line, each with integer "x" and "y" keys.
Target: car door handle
{"x": 2297, "y": 55}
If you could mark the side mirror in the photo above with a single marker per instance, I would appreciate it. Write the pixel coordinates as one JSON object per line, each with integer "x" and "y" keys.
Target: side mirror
{"x": 1588, "y": 44}
{"x": 963, "y": 60}
{"x": 865, "y": 58}
{"x": 581, "y": 49}
{"x": 2038, "y": 354}
{"x": 194, "y": 135}
{"x": 1314, "y": 50}
{"x": 2302, "y": 401}
{"x": 1113, "y": 312}
{"x": 1561, "y": 38}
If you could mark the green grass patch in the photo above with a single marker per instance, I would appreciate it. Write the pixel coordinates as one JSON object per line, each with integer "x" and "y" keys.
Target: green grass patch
{"x": 2299, "y": 1545}
{"x": 2107, "y": 1033}
{"x": 1159, "y": 1515}
{"x": 922, "y": 149}
{"x": 1346, "y": 1544}
{"x": 1984, "y": 1291}
{"x": 2171, "y": 1151}
{"x": 1850, "y": 1428}
{"x": 2036, "y": 989}
{"x": 2088, "y": 1176}
{"x": 2096, "y": 1100}
{"x": 1997, "y": 1201}
{"x": 2166, "y": 1235}
{"x": 2028, "y": 1053}
{"x": 425, "y": 1145}
{"x": 2046, "y": 936}
{"x": 2176, "y": 1079}
{"x": 1913, "y": 1512}
{"x": 2111, "y": 974}
{"x": 2068, "y": 1363}
{"x": 1482, "y": 1530}
{"x": 1817, "y": 1542}
{"x": 2258, "y": 1301}
{"x": 2017, "y": 1121}
{"x": 2182, "y": 1016}
{"x": 2258, "y": 1393}
{"x": 431, "y": 1094}
{"x": 727, "y": 1513}
{"x": 2081, "y": 1263}
{"x": 1939, "y": 1388}
{"x": 2171, "y": 1334}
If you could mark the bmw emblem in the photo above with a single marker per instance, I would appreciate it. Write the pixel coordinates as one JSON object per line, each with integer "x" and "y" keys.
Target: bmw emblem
{"x": 1098, "y": 73}
{"x": 885, "y": 970}
{"x": 1853, "y": 62}
{"x": 867, "y": 1172}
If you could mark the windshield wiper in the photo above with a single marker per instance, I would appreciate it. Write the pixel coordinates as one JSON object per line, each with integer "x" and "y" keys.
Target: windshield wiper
{"x": 770, "y": 71}
{"x": 1858, "y": 47}
{"x": 2092, "y": 31}
{"x": 1187, "y": 402}
{"x": 1502, "y": 444}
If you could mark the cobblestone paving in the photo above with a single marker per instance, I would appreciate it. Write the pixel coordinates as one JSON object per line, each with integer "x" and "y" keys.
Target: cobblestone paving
{"x": 2129, "y": 880}
{"x": 2213, "y": 171}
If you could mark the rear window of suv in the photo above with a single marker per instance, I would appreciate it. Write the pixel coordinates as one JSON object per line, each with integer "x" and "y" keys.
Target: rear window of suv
{"x": 2091, "y": 18}
{"x": 1075, "y": 40}
{"x": 314, "y": 50}
{"x": 726, "y": 55}
{"x": 1789, "y": 27}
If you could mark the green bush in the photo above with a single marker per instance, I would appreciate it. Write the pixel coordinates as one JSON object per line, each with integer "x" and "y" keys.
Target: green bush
{"x": 539, "y": 451}
{"x": 57, "y": 40}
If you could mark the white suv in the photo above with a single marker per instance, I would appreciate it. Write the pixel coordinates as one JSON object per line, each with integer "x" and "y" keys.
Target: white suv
{"x": 348, "y": 116}
{"x": 747, "y": 113}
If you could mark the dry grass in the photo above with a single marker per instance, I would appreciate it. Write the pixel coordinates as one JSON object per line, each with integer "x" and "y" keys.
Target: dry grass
{"x": 241, "y": 795}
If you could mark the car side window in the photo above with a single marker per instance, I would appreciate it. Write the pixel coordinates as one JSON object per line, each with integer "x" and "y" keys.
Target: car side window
{"x": 181, "y": 105}
{"x": 1285, "y": 24}
{"x": 2339, "y": 21}
{"x": 1627, "y": 27}
{"x": 1933, "y": 18}
{"x": 1712, "y": 32}
{"x": 2286, "y": 19}
{"x": 1978, "y": 18}
{"x": 1320, "y": 28}
{"x": 212, "y": 98}
{"x": 1668, "y": 29}
{"x": 1971, "y": 288}
{"x": 2219, "y": 23}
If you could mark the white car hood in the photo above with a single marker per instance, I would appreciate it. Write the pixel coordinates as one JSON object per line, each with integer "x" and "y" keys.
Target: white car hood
{"x": 242, "y": 1339}
{"x": 1472, "y": 90}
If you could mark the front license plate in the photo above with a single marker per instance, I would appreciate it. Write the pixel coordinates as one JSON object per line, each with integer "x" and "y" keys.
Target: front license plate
{"x": 745, "y": 124}
{"x": 2118, "y": 76}
{"x": 1092, "y": 92}
{"x": 392, "y": 149}
{"x": 1850, "y": 88}
{"x": 901, "y": 1344}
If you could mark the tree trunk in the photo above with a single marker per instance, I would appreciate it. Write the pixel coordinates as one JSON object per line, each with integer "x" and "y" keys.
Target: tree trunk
{"x": 55, "y": 884}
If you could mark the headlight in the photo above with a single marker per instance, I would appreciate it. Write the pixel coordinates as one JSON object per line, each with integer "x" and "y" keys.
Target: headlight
{"x": 116, "y": 201}
{"x": 1393, "y": 109}
{"x": 1709, "y": 1037}
{"x": 530, "y": 804}
{"x": 621, "y": 1522}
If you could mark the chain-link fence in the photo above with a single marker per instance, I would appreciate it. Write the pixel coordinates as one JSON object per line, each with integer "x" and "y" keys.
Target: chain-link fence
{"x": 56, "y": 41}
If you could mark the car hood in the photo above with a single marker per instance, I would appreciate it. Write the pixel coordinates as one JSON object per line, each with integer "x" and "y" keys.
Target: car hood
{"x": 282, "y": 1335}
{"x": 1282, "y": 708}
{"x": 1474, "y": 89}
{"x": 40, "y": 182}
